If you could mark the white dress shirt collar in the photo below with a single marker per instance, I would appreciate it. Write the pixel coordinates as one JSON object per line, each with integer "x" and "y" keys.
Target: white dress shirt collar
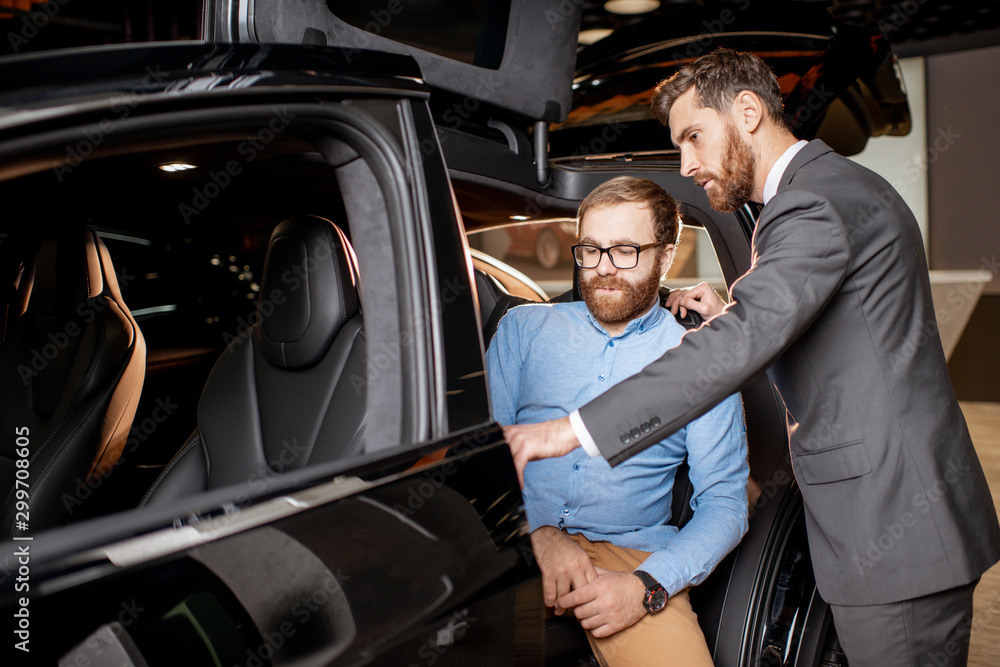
{"x": 778, "y": 170}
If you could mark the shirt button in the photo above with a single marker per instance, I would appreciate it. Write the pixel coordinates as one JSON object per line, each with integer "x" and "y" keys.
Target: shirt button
{"x": 601, "y": 378}
{"x": 611, "y": 344}
{"x": 640, "y": 327}
{"x": 566, "y": 512}
{"x": 561, "y": 523}
{"x": 576, "y": 466}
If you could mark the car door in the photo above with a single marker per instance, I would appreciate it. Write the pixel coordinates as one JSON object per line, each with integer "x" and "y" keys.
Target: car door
{"x": 414, "y": 552}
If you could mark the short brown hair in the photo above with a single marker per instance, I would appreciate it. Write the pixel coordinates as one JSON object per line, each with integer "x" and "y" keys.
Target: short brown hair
{"x": 718, "y": 77}
{"x": 663, "y": 208}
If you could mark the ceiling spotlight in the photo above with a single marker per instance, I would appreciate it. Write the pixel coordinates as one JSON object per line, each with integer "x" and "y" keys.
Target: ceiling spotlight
{"x": 593, "y": 35}
{"x": 520, "y": 217}
{"x": 171, "y": 167}
{"x": 631, "y": 6}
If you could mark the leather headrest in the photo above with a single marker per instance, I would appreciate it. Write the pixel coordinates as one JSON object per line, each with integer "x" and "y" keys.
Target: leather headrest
{"x": 66, "y": 272}
{"x": 309, "y": 290}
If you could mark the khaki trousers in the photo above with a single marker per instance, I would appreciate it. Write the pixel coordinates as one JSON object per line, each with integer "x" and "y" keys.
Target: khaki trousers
{"x": 669, "y": 637}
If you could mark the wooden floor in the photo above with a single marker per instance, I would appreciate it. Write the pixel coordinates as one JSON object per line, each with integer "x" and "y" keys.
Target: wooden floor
{"x": 984, "y": 651}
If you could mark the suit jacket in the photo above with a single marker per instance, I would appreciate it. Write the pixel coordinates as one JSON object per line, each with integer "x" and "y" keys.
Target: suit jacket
{"x": 836, "y": 307}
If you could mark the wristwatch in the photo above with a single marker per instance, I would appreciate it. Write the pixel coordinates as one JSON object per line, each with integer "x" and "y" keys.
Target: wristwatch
{"x": 655, "y": 598}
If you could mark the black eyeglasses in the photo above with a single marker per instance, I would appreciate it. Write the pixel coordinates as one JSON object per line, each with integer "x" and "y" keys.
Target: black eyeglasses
{"x": 622, "y": 256}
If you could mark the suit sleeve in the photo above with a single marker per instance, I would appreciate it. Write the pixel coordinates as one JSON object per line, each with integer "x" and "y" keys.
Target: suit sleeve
{"x": 801, "y": 256}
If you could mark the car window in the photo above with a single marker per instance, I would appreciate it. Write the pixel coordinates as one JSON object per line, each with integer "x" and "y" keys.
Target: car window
{"x": 541, "y": 251}
{"x": 188, "y": 247}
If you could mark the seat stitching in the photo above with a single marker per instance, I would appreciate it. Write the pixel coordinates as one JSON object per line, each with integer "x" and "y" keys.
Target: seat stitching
{"x": 357, "y": 438}
{"x": 173, "y": 462}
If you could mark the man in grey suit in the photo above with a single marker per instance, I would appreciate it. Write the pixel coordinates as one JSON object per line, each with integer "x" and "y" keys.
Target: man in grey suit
{"x": 836, "y": 308}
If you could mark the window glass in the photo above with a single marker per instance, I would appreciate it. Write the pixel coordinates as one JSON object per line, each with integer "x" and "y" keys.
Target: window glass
{"x": 541, "y": 251}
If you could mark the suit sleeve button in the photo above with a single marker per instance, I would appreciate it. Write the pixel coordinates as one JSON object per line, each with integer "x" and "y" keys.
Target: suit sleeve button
{"x": 646, "y": 428}
{"x": 654, "y": 422}
{"x": 635, "y": 433}
{"x": 625, "y": 438}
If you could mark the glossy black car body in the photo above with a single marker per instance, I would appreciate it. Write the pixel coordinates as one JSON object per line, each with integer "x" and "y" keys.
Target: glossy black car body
{"x": 414, "y": 552}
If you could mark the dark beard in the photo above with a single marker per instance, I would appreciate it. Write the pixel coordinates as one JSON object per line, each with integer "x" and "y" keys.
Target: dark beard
{"x": 734, "y": 186}
{"x": 634, "y": 299}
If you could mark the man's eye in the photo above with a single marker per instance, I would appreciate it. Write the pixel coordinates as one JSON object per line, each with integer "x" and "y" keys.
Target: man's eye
{"x": 589, "y": 252}
{"x": 624, "y": 252}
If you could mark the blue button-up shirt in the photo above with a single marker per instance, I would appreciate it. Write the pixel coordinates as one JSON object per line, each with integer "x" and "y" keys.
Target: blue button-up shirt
{"x": 546, "y": 361}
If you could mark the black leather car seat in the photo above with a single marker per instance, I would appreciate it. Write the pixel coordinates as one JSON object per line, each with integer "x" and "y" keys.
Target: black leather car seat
{"x": 494, "y": 302}
{"x": 290, "y": 390}
{"x": 72, "y": 364}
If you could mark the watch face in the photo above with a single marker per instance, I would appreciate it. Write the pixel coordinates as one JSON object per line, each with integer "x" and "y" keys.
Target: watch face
{"x": 656, "y": 599}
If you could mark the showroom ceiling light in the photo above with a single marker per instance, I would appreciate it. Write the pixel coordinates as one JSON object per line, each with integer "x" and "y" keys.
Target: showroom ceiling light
{"x": 593, "y": 35}
{"x": 172, "y": 167}
{"x": 631, "y": 6}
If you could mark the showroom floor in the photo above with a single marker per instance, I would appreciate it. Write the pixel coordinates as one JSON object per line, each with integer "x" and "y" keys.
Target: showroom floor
{"x": 984, "y": 424}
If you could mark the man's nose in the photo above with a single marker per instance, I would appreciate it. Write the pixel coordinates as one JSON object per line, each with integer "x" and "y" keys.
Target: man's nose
{"x": 689, "y": 164}
{"x": 605, "y": 267}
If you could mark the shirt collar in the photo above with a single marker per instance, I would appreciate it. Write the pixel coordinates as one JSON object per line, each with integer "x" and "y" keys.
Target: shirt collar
{"x": 778, "y": 170}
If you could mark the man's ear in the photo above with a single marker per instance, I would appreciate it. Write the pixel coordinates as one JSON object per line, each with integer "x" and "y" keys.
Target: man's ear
{"x": 748, "y": 111}
{"x": 666, "y": 258}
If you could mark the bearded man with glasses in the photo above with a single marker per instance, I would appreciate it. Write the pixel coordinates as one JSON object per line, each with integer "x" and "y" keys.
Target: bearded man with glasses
{"x": 599, "y": 533}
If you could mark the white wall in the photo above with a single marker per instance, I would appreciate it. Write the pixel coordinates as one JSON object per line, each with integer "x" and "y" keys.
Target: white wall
{"x": 903, "y": 160}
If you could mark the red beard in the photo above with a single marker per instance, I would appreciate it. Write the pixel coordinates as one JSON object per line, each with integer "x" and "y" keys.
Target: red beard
{"x": 733, "y": 187}
{"x": 633, "y": 300}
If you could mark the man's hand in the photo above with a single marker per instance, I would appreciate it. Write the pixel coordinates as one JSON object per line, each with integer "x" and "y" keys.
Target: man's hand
{"x": 701, "y": 299}
{"x": 563, "y": 563}
{"x": 611, "y": 603}
{"x": 544, "y": 440}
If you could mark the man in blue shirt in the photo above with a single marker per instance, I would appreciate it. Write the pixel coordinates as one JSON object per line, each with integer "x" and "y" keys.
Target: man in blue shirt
{"x": 599, "y": 533}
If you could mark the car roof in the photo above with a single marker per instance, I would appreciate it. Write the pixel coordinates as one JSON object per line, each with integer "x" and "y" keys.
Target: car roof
{"x": 32, "y": 82}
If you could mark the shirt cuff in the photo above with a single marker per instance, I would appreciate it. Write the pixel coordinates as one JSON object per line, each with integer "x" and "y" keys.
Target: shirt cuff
{"x": 582, "y": 434}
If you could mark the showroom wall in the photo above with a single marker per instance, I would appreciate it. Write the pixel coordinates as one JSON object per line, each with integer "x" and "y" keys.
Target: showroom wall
{"x": 963, "y": 100}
